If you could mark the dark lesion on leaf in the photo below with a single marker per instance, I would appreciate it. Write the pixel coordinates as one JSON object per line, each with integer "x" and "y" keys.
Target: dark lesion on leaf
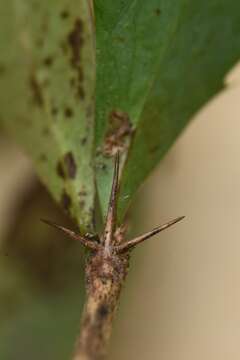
{"x": 64, "y": 14}
{"x": 84, "y": 140}
{"x": 119, "y": 132}
{"x": 66, "y": 167}
{"x": 60, "y": 170}
{"x": 154, "y": 148}
{"x": 80, "y": 92}
{"x": 36, "y": 91}
{"x": 48, "y": 61}
{"x": 66, "y": 201}
{"x": 70, "y": 165}
{"x": 75, "y": 41}
{"x": 158, "y": 12}
{"x": 68, "y": 112}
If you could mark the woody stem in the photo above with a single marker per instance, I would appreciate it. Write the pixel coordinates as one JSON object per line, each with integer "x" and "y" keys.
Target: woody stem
{"x": 104, "y": 279}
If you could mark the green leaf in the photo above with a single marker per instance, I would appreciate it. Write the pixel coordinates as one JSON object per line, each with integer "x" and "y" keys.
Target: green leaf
{"x": 158, "y": 62}
{"x": 47, "y": 82}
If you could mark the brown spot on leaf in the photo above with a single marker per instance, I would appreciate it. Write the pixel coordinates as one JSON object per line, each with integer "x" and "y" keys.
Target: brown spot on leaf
{"x": 80, "y": 92}
{"x": 68, "y": 112}
{"x": 83, "y": 141}
{"x": 70, "y": 165}
{"x": 60, "y": 170}
{"x": 66, "y": 201}
{"x": 75, "y": 41}
{"x": 64, "y": 14}
{"x": 36, "y": 92}
{"x": 158, "y": 11}
{"x": 154, "y": 148}
{"x": 118, "y": 133}
{"x": 48, "y": 61}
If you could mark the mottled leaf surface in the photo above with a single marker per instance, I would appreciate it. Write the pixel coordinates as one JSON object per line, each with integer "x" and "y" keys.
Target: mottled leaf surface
{"x": 157, "y": 63}
{"x": 47, "y": 82}
{"x": 166, "y": 59}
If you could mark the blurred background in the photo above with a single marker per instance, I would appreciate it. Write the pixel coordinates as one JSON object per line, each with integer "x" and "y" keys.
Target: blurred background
{"x": 182, "y": 296}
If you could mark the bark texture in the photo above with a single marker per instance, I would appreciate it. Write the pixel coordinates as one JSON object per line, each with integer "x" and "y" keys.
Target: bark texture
{"x": 106, "y": 269}
{"x": 104, "y": 278}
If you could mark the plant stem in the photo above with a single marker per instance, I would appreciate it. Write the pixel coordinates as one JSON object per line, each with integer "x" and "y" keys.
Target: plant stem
{"x": 104, "y": 279}
{"x": 106, "y": 269}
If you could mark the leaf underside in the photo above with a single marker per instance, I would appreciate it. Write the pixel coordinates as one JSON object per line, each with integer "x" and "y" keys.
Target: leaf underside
{"x": 47, "y": 94}
{"x": 157, "y": 62}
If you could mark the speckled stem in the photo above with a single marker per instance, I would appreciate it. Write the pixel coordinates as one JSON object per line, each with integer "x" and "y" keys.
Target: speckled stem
{"x": 104, "y": 278}
{"x": 106, "y": 269}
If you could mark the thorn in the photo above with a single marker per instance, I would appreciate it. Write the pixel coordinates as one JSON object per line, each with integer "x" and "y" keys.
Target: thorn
{"x": 87, "y": 243}
{"x": 131, "y": 243}
{"x": 111, "y": 218}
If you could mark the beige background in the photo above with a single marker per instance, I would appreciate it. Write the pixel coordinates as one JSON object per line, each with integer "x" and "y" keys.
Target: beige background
{"x": 182, "y": 297}
{"x": 182, "y": 300}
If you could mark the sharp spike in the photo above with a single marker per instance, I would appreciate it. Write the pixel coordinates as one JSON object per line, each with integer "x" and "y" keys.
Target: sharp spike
{"x": 132, "y": 243}
{"x": 87, "y": 243}
{"x": 111, "y": 218}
